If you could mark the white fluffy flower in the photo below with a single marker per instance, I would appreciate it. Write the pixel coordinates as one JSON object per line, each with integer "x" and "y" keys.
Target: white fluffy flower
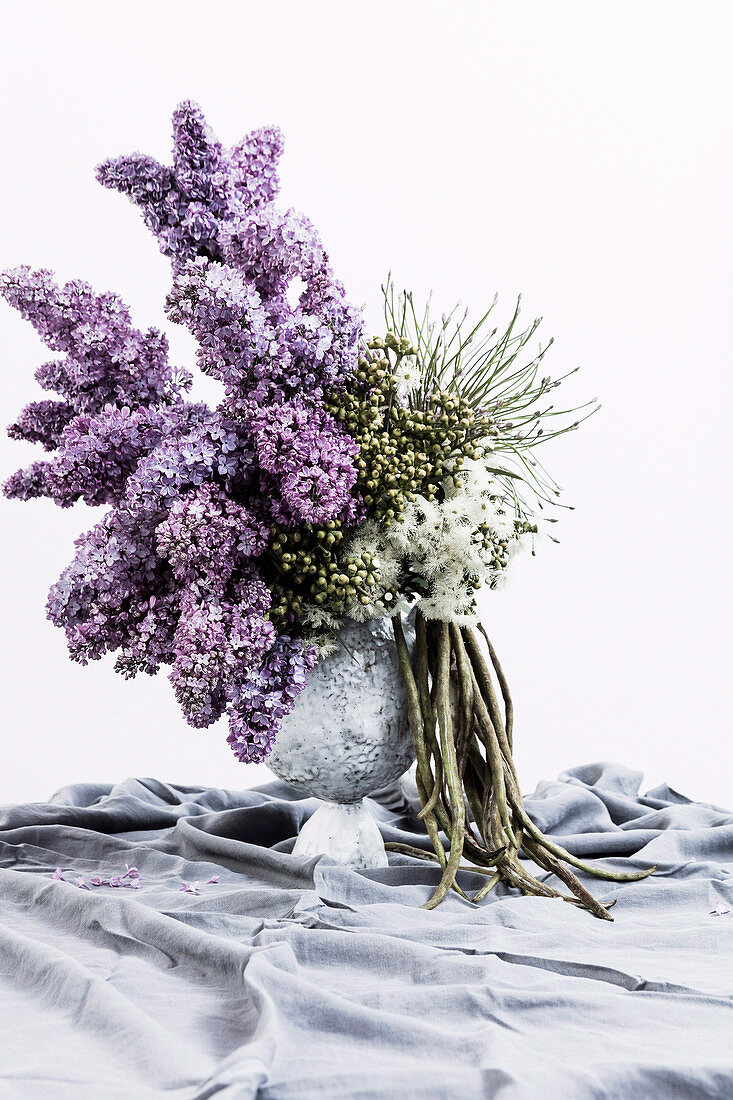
{"x": 407, "y": 376}
{"x": 326, "y": 646}
{"x": 319, "y": 617}
{"x": 360, "y": 612}
{"x": 473, "y": 478}
{"x": 442, "y": 542}
{"x": 458, "y": 545}
{"x": 366, "y": 540}
{"x": 429, "y": 565}
{"x": 448, "y": 601}
{"x": 400, "y": 533}
{"x": 501, "y": 521}
{"x": 520, "y": 543}
{"x": 389, "y": 564}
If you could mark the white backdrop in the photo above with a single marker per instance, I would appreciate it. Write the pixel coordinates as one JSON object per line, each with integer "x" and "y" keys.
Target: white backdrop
{"x": 579, "y": 153}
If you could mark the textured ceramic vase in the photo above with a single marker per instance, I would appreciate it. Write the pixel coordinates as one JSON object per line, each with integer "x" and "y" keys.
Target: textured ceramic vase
{"x": 347, "y": 736}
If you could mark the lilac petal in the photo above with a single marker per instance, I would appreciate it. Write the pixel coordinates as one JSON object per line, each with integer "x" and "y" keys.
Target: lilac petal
{"x": 59, "y": 874}
{"x": 81, "y": 883}
{"x": 188, "y": 888}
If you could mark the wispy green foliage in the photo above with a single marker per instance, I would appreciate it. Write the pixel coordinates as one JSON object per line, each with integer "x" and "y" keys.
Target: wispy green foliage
{"x": 499, "y": 373}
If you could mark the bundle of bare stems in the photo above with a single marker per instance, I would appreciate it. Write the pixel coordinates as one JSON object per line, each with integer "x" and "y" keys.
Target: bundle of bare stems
{"x": 466, "y": 777}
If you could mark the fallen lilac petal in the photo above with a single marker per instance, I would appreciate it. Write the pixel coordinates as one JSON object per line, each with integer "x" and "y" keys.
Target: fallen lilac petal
{"x": 190, "y": 889}
{"x": 214, "y": 878}
{"x": 131, "y": 872}
{"x": 81, "y": 883}
{"x": 135, "y": 884}
{"x": 59, "y": 874}
{"x": 96, "y": 881}
{"x": 115, "y": 881}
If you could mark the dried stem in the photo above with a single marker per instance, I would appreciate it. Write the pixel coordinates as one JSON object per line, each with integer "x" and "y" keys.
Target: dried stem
{"x": 466, "y": 777}
{"x": 450, "y": 765}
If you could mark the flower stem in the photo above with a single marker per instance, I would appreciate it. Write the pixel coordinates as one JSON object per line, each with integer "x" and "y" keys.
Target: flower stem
{"x": 466, "y": 777}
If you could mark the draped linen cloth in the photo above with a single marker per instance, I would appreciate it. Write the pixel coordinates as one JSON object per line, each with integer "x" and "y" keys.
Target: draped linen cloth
{"x": 295, "y": 978}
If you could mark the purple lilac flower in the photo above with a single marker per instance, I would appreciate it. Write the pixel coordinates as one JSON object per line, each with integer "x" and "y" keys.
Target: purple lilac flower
{"x": 115, "y": 882}
{"x": 150, "y": 637}
{"x": 225, "y": 313}
{"x": 259, "y": 704}
{"x": 27, "y": 484}
{"x": 119, "y": 392}
{"x": 311, "y": 457}
{"x": 217, "y": 643}
{"x": 43, "y": 422}
{"x": 206, "y": 536}
{"x": 173, "y": 573}
{"x": 254, "y": 167}
{"x": 101, "y": 451}
{"x": 187, "y": 206}
{"x": 105, "y": 592}
{"x": 107, "y": 360}
{"x": 204, "y": 449}
{"x": 271, "y": 247}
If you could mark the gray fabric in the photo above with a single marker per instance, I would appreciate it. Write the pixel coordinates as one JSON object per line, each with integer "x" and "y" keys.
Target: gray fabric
{"x": 293, "y": 978}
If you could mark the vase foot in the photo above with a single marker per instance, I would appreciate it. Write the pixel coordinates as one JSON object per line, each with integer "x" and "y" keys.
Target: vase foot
{"x": 346, "y": 832}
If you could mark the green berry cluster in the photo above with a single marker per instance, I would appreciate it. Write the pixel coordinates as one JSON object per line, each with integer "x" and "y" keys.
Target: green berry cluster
{"x": 403, "y": 452}
{"x": 310, "y": 570}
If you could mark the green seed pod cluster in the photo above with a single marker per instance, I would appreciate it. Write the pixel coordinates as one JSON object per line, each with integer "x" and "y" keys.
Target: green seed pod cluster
{"x": 309, "y": 570}
{"x": 403, "y": 451}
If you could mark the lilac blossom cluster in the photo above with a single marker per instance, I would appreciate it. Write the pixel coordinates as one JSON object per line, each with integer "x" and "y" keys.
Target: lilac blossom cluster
{"x": 177, "y": 572}
{"x": 118, "y": 394}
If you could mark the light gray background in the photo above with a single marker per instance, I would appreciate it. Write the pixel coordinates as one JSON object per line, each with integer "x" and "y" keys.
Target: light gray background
{"x": 578, "y": 153}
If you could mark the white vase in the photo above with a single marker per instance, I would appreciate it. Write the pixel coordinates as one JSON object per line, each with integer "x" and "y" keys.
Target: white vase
{"x": 347, "y": 736}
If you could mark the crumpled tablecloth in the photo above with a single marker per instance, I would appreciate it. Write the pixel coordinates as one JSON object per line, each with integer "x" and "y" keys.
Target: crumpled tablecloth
{"x": 279, "y": 977}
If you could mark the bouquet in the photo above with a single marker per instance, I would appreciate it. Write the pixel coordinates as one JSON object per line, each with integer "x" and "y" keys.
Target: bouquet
{"x": 340, "y": 476}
